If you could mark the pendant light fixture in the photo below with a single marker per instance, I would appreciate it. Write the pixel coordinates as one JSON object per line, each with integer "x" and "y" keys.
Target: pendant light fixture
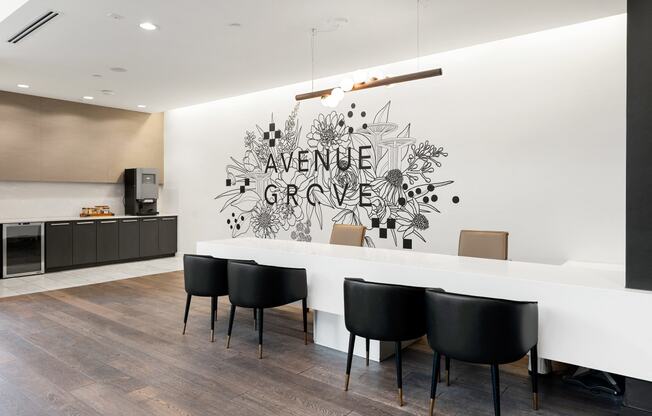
{"x": 361, "y": 80}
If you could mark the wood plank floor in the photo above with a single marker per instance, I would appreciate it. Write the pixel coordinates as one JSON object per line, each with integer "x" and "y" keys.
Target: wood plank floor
{"x": 116, "y": 349}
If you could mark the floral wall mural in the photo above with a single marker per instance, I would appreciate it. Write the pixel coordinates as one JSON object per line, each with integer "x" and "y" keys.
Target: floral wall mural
{"x": 348, "y": 168}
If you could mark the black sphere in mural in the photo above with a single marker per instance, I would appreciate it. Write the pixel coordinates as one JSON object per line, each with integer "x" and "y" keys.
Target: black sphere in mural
{"x": 341, "y": 123}
{"x": 456, "y": 199}
{"x": 364, "y": 126}
{"x": 401, "y": 201}
{"x": 228, "y": 221}
{"x": 363, "y": 114}
{"x": 426, "y": 199}
{"x": 405, "y": 186}
{"x": 418, "y": 191}
{"x": 350, "y": 114}
{"x": 350, "y": 130}
{"x": 434, "y": 198}
{"x": 431, "y": 188}
{"x": 352, "y": 105}
{"x": 411, "y": 194}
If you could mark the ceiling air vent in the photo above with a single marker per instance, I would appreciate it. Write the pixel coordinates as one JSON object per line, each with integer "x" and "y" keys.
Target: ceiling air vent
{"x": 31, "y": 28}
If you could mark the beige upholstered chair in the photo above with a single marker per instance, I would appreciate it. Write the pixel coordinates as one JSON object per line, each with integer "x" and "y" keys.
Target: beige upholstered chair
{"x": 348, "y": 235}
{"x": 483, "y": 244}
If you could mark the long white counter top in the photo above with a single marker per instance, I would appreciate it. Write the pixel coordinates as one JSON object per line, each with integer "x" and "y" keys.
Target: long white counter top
{"x": 586, "y": 315}
{"x": 78, "y": 218}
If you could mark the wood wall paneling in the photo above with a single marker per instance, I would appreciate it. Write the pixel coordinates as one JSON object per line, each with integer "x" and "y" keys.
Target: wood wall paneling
{"x": 43, "y": 139}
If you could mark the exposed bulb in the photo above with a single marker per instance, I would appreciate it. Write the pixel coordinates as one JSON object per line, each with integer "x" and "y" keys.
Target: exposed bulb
{"x": 359, "y": 76}
{"x": 346, "y": 84}
{"x": 330, "y": 101}
{"x": 337, "y": 93}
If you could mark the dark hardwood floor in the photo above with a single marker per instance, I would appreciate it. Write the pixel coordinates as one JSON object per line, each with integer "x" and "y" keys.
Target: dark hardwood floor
{"x": 116, "y": 349}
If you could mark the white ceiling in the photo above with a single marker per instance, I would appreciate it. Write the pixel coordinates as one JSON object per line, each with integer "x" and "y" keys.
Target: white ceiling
{"x": 197, "y": 57}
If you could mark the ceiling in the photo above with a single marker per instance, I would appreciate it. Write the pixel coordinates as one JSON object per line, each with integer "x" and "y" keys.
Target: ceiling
{"x": 197, "y": 56}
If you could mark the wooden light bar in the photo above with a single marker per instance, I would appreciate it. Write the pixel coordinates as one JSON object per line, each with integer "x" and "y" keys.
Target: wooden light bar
{"x": 375, "y": 83}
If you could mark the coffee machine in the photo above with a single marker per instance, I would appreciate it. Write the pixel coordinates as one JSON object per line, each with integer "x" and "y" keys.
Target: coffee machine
{"x": 141, "y": 191}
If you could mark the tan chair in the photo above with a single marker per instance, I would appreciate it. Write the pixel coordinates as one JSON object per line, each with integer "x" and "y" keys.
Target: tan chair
{"x": 348, "y": 235}
{"x": 483, "y": 244}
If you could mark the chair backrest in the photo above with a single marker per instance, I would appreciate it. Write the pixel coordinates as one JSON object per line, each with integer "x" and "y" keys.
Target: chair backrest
{"x": 483, "y": 244}
{"x": 383, "y": 311}
{"x": 481, "y": 330}
{"x": 205, "y": 275}
{"x": 259, "y": 286}
{"x": 348, "y": 235}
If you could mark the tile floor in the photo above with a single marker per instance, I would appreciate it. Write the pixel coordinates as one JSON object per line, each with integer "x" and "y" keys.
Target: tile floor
{"x": 80, "y": 277}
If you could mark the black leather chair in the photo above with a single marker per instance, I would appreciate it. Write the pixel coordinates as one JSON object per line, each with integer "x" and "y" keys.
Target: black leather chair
{"x": 260, "y": 287}
{"x": 482, "y": 331}
{"x": 204, "y": 276}
{"x": 383, "y": 312}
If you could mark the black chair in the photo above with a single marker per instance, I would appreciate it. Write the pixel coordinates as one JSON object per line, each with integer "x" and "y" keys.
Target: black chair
{"x": 482, "y": 331}
{"x": 383, "y": 312}
{"x": 204, "y": 276}
{"x": 260, "y": 287}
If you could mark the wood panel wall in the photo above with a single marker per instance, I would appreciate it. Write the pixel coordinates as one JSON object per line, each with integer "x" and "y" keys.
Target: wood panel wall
{"x": 43, "y": 139}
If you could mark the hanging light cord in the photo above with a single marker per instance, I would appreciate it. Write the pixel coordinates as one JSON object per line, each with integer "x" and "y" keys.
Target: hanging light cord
{"x": 312, "y": 60}
{"x": 418, "y": 35}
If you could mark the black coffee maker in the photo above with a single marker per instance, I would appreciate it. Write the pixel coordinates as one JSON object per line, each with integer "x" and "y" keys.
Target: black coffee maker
{"x": 141, "y": 191}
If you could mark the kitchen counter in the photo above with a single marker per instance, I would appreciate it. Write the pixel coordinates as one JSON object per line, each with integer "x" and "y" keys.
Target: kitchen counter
{"x": 78, "y": 218}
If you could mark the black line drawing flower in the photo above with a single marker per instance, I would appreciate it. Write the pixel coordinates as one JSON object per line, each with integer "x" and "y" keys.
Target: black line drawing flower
{"x": 265, "y": 221}
{"x": 390, "y": 186}
{"x": 328, "y": 132}
{"x": 411, "y": 220}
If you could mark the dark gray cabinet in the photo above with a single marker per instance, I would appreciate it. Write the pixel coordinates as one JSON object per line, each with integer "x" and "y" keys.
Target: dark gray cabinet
{"x": 58, "y": 245}
{"x": 84, "y": 242}
{"x": 129, "y": 239}
{"x": 149, "y": 237}
{"x": 167, "y": 235}
{"x": 108, "y": 241}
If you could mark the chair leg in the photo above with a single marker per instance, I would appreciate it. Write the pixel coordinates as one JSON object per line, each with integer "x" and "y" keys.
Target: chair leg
{"x": 448, "y": 370}
{"x": 433, "y": 382}
{"x": 305, "y": 320}
{"x": 534, "y": 360}
{"x": 367, "y": 349}
{"x": 260, "y": 333}
{"x": 185, "y": 316}
{"x": 213, "y": 314}
{"x": 255, "y": 319}
{"x": 495, "y": 381}
{"x": 349, "y": 359}
{"x": 399, "y": 371}
{"x": 228, "y": 333}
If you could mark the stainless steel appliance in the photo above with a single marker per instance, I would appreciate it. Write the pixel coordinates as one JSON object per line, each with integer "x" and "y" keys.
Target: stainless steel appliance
{"x": 141, "y": 191}
{"x": 23, "y": 249}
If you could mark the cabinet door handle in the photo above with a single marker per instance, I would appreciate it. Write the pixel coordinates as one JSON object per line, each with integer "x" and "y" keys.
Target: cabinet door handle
{"x": 86, "y": 223}
{"x": 129, "y": 220}
{"x": 168, "y": 219}
{"x": 108, "y": 222}
{"x": 59, "y": 224}
{"x": 149, "y": 220}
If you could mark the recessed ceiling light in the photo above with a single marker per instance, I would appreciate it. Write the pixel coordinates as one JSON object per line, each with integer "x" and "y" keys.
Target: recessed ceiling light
{"x": 97, "y": 75}
{"x": 115, "y": 16}
{"x": 148, "y": 26}
{"x": 88, "y": 97}
{"x": 22, "y": 86}
{"x": 118, "y": 69}
{"x": 142, "y": 106}
{"x": 235, "y": 24}
{"x": 108, "y": 92}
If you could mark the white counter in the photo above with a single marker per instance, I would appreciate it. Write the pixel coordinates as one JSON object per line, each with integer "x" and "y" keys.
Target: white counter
{"x": 78, "y": 218}
{"x": 586, "y": 315}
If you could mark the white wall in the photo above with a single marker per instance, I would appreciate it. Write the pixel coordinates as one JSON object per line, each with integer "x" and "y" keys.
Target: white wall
{"x": 51, "y": 199}
{"x": 534, "y": 127}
